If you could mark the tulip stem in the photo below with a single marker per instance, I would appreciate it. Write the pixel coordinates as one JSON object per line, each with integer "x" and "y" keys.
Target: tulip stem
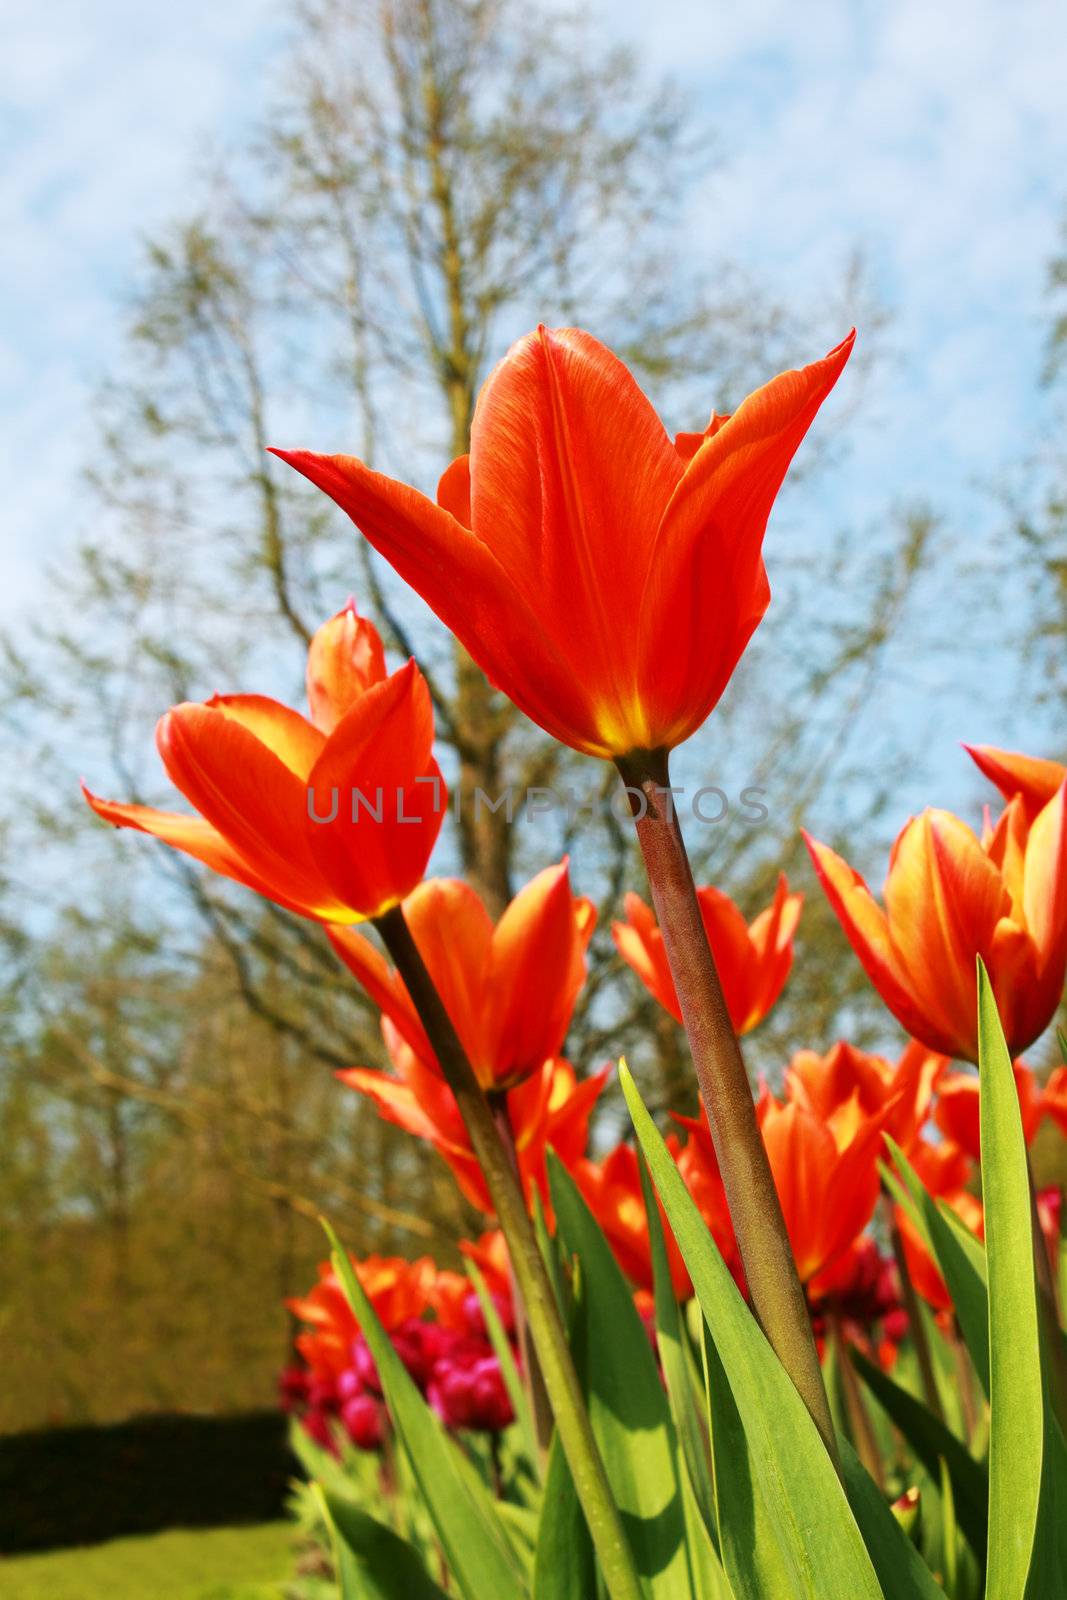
{"x": 755, "y": 1210}
{"x": 546, "y": 1326}
{"x": 540, "y": 1408}
{"x": 859, "y": 1416}
{"x": 913, "y": 1310}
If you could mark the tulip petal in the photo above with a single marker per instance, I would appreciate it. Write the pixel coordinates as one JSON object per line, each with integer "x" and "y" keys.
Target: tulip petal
{"x": 394, "y": 1100}
{"x": 462, "y": 581}
{"x": 1045, "y": 884}
{"x": 705, "y": 588}
{"x": 373, "y": 972}
{"x": 252, "y": 798}
{"x": 291, "y": 737}
{"x": 373, "y": 844}
{"x": 345, "y": 658}
{"x": 454, "y": 934}
{"x": 865, "y": 926}
{"x": 192, "y": 836}
{"x": 944, "y": 899}
{"x": 571, "y": 471}
{"x": 537, "y": 968}
{"x": 1014, "y": 773}
{"x": 640, "y": 944}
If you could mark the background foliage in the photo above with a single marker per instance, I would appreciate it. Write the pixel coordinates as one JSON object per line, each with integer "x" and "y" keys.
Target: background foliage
{"x": 429, "y": 179}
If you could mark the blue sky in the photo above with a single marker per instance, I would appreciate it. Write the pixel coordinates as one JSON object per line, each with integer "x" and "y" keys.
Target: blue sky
{"x": 932, "y": 137}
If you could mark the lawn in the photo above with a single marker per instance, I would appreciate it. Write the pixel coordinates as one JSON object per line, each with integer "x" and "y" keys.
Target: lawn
{"x": 216, "y": 1564}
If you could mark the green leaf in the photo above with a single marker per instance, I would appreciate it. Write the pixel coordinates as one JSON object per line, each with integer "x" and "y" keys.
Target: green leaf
{"x": 933, "y": 1444}
{"x": 675, "y": 1361}
{"x": 962, "y": 1270}
{"x": 901, "y": 1570}
{"x": 814, "y": 1525}
{"x": 755, "y": 1564}
{"x": 376, "y": 1563}
{"x": 1018, "y": 1405}
{"x": 476, "y": 1546}
{"x": 627, "y": 1406}
{"x": 565, "y": 1565}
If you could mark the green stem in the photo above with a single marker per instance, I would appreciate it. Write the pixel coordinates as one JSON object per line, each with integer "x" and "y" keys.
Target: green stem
{"x": 770, "y": 1270}
{"x": 540, "y": 1407}
{"x": 859, "y": 1417}
{"x": 560, "y": 1378}
{"x": 916, "y": 1322}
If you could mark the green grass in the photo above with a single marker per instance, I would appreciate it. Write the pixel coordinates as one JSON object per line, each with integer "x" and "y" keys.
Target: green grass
{"x": 216, "y": 1564}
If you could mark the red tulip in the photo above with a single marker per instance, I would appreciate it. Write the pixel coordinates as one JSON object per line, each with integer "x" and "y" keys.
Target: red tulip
{"x": 612, "y": 1191}
{"x": 949, "y": 898}
{"x": 265, "y": 780}
{"x": 753, "y": 961}
{"x": 397, "y": 1289}
{"x": 509, "y": 989}
{"x": 605, "y": 578}
{"x": 1034, "y": 779}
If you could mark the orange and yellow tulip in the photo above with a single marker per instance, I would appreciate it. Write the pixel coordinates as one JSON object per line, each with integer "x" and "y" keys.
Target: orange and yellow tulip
{"x": 846, "y": 1086}
{"x": 265, "y": 780}
{"x": 956, "y": 1111}
{"x": 1034, "y": 778}
{"x": 950, "y": 897}
{"x": 604, "y": 577}
{"x": 753, "y": 961}
{"x": 509, "y": 989}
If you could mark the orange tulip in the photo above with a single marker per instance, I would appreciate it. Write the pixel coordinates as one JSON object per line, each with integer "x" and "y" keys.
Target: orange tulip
{"x": 753, "y": 961}
{"x": 1055, "y": 1098}
{"x": 549, "y": 1109}
{"x": 949, "y": 898}
{"x": 605, "y": 578}
{"x": 265, "y": 779}
{"x": 509, "y": 989}
{"x": 826, "y": 1175}
{"x": 944, "y": 1169}
{"x": 1033, "y": 778}
{"x": 956, "y": 1112}
{"x": 612, "y": 1191}
{"x": 827, "y": 1178}
{"x": 397, "y": 1289}
{"x": 846, "y": 1086}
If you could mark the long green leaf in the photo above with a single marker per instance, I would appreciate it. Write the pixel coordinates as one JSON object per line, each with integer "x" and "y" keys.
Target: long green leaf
{"x": 756, "y": 1566}
{"x": 627, "y": 1406}
{"x": 814, "y": 1524}
{"x": 933, "y": 1443}
{"x": 964, "y": 1276}
{"x": 901, "y": 1570}
{"x": 564, "y": 1565}
{"x": 376, "y": 1563}
{"x": 1016, "y": 1392}
{"x": 475, "y": 1544}
{"x": 674, "y": 1359}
